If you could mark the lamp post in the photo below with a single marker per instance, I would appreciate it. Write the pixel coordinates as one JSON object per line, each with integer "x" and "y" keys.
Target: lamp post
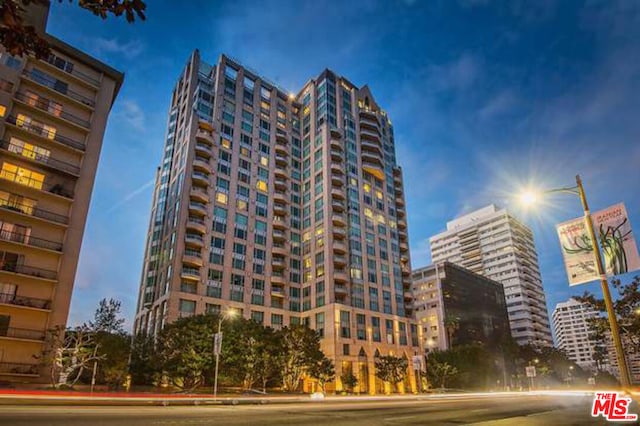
{"x": 217, "y": 347}
{"x": 529, "y": 198}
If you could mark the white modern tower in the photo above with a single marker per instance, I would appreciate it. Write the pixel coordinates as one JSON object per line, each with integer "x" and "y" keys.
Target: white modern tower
{"x": 493, "y": 243}
{"x": 571, "y": 324}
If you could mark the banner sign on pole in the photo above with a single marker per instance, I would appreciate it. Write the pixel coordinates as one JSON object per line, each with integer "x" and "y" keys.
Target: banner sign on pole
{"x": 577, "y": 251}
{"x": 217, "y": 343}
{"x": 613, "y": 228}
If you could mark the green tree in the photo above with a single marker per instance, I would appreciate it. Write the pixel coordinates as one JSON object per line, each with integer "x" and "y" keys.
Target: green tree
{"x": 349, "y": 380}
{"x": 627, "y": 309}
{"x": 323, "y": 371}
{"x": 107, "y": 317}
{"x": 145, "y": 363}
{"x": 439, "y": 371}
{"x": 18, "y": 38}
{"x": 301, "y": 351}
{"x": 391, "y": 369}
{"x": 185, "y": 350}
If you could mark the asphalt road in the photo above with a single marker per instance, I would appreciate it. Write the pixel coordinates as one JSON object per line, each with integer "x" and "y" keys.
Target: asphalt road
{"x": 506, "y": 410}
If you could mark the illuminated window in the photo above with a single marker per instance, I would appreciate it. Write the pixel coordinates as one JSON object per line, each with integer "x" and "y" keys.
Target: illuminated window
{"x": 3, "y": 110}
{"x": 306, "y": 236}
{"x": 307, "y": 262}
{"x": 381, "y": 219}
{"x": 35, "y": 126}
{"x": 241, "y": 205}
{"x": 225, "y": 143}
{"x": 262, "y": 186}
{"x": 378, "y": 194}
{"x": 22, "y": 176}
{"x": 28, "y": 150}
{"x": 319, "y": 232}
{"x": 368, "y": 213}
{"x": 17, "y": 202}
{"x": 264, "y": 160}
{"x": 306, "y": 110}
{"x": 221, "y": 197}
{"x": 367, "y": 188}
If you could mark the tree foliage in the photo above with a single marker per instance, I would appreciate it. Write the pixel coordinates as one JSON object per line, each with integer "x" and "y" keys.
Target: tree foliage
{"x": 107, "y": 317}
{"x": 19, "y": 38}
{"x": 349, "y": 380}
{"x": 391, "y": 369}
{"x": 627, "y": 309}
{"x": 301, "y": 351}
{"x": 323, "y": 371}
{"x": 439, "y": 371}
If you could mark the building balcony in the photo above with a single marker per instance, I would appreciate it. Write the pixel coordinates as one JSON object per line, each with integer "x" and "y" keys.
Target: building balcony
{"x": 402, "y": 223}
{"x": 401, "y": 213}
{"x": 281, "y": 139}
{"x": 337, "y": 181}
{"x": 339, "y": 233}
{"x": 336, "y": 169}
{"x": 337, "y": 155}
{"x": 337, "y": 194}
{"x": 280, "y": 222}
{"x": 204, "y": 136}
{"x": 280, "y": 196}
{"x": 277, "y": 279}
{"x": 204, "y": 149}
{"x": 281, "y": 174}
{"x": 341, "y": 289}
{"x": 192, "y": 257}
{"x": 24, "y": 301}
{"x": 71, "y": 71}
{"x": 280, "y": 249}
{"x": 18, "y": 369}
{"x": 372, "y": 159}
{"x": 338, "y": 220}
{"x": 277, "y": 291}
{"x": 34, "y": 157}
{"x": 282, "y": 160}
{"x": 52, "y": 86}
{"x": 201, "y": 164}
{"x": 29, "y": 271}
{"x": 194, "y": 240}
{"x": 189, "y": 273}
{"x": 29, "y": 240}
{"x": 280, "y": 183}
{"x": 45, "y": 134}
{"x": 337, "y": 206}
{"x": 404, "y": 247}
{"x": 339, "y": 247}
{"x": 22, "y": 334}
{"x": 57, "y": 189}
{"x": 43, "y": 104}
{"x": 336, "y": 145}
{"x": 280, "y": 209}
{"x": 335, "y": 133}
{"x": 281, "y": 148}
{"x": 198, "y": 208}
{"x": 196, "y": 224}
{"x": 340, "y": 261}
{"x": 367, "y": 130}
{"x": 279, "y": 235}
{"x": 28, "y": 210}
{"x": 400, "y": 201}
{"x": 199, "y": 194}
{"x": 200, "y": 177}
{"x": 278, "y": 263}
{"x": 367, "y": 114}
{"x": 340, "y": 276}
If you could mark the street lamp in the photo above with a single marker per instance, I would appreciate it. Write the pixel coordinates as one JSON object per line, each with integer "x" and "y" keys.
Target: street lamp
{"x": 217, "y": 346}
{"x": 530, "y": 197}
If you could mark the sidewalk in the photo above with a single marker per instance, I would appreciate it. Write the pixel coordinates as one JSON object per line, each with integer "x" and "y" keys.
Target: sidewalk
{"x": 21, "y": 397}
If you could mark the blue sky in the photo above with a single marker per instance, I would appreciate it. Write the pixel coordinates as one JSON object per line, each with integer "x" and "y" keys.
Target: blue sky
{"x": 485, "y": 97}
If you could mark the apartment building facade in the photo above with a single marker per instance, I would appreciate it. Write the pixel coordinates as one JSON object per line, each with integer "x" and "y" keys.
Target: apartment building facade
{"x": 571, "y": 326}
{"x": 455, "y": 306}
{"x": 286, "y": 207}
{"x": 53, "y": 114}
{"x": 493, "y": 243}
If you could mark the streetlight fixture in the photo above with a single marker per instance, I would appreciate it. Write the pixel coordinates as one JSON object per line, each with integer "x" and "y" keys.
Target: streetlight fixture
{"x": 530, "y": 197}
{"x": 217, "y": 346}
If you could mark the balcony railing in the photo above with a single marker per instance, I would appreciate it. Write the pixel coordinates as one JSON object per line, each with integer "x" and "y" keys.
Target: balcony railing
{"x": 54, "y": 84}
{"x": 18, "y": 368}
{"x": 34, "y": 211}
{"x": 55, "y": 188}
{"x": 22, "y": 333}
{"x": 43, "y": 104}
{"x": 64, "y": 66}
{"x": 21, "y": 238}
{"x": 39, "y": 158}
{"x": 29, "y": 270}
{"x": 47, "y": 134}
{"x": 31, "y": 302}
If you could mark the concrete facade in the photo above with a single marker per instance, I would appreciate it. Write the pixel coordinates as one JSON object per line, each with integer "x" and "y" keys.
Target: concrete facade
{"x": 571, "y": 326}
{"x": 53, "y": 114}
{"x": 286, "y": 207}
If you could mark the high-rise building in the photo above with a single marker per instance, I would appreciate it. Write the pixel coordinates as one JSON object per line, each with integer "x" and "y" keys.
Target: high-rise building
{"x": 286, "y": 207}
{"x": 53, "y": 114}
{"x": 632, "y": 358}
{"x": 493, "y": 243}
{"x": 455, "y": 306}
{"x": 571, "y": 325}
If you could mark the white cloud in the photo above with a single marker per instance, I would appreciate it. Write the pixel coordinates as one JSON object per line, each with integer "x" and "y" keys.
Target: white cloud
{"x": 131, "y": 113}
{"x": 108, "y": 46}
{"x": 499, "y": 104}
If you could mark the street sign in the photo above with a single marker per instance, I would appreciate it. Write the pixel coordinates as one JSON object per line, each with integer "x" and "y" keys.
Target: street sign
{"x": 217, "y": 343}
{"x": 531, "y": 371}
{"x": 591, "y": 381}
{"x": 417, "y": 360}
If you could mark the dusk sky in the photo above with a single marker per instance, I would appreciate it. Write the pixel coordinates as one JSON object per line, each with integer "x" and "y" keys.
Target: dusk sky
{"x": 485, "y": 98}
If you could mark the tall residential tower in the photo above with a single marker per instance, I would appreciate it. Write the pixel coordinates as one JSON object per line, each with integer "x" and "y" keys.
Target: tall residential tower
{"x": 53, "y": 114}
{"x": 286, "y": 207}
{"x": 571, "y": 325}
{"x": 493, "y": 243}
